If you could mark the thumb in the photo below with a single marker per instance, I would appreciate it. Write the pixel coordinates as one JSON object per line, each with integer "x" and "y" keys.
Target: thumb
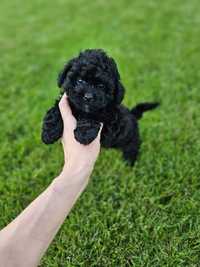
{"x": 66, "y": 113}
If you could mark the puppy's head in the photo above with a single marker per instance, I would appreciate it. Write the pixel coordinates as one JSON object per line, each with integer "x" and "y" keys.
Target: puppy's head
{"x": 92, "y": 81}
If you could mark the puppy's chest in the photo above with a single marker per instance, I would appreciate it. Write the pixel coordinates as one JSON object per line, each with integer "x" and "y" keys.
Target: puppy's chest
{"x": 102, "y": 116}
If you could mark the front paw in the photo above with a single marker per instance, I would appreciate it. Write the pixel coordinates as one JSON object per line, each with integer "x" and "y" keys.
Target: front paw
{"x": 52, "y": 127}
{"x": 86, "y": 131}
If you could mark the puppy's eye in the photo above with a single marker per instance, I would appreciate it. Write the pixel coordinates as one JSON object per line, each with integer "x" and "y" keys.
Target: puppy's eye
{"x": 80, "y": 81}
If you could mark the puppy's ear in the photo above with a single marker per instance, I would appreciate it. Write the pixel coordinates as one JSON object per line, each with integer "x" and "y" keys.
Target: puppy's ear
{"x": 62, "y": 75}
{"x": 120, "y": 90}
{"x": 119, "y": 95}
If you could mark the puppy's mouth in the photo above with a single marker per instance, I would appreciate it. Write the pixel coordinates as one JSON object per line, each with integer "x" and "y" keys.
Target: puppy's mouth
{"x": 87, "y": 108}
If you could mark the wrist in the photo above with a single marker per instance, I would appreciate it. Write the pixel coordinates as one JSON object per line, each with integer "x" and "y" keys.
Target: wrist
{"x": 70, "y": 180}
{"x": 77, "y": 169}
{"x": 75, "y": 174}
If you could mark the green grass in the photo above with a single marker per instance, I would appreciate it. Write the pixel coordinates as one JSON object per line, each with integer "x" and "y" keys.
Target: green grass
{"x": 145, "y": 216}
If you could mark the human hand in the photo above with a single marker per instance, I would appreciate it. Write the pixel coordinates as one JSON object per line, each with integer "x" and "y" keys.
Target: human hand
{"x": 77, "y": 156}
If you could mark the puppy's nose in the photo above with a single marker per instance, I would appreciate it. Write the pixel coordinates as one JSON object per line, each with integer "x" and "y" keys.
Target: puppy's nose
{"x": 88, "y": 96}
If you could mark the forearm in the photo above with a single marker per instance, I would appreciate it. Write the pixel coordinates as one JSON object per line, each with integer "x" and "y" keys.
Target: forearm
{"x": 24, "y": 241}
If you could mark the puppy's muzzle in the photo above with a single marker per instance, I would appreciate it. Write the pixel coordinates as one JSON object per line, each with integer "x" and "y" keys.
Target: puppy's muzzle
{"x": 88, "y": 97}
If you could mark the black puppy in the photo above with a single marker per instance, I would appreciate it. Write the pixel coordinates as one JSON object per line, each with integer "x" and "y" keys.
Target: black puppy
{"x": 95, "y": 92}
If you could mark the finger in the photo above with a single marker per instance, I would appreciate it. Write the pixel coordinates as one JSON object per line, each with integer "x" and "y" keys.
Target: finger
{"x": 100, "y": 130}
{"x": 66, "y": 113}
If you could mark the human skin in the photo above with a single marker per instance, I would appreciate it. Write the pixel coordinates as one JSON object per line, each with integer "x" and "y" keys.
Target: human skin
{"x": 24, "y": 241}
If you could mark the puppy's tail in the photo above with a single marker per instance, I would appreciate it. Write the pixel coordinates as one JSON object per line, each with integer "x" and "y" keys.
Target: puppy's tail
{"x": 139, "y": 109}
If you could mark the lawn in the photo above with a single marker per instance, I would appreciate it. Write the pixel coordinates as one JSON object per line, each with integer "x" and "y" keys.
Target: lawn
{"x": 148, "y": 215}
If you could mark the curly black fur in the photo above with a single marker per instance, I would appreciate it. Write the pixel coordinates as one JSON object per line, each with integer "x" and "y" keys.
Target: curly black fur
{"x": 95, "y": 92}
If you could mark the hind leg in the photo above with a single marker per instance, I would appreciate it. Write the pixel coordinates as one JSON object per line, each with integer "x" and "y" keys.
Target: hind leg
{"x": 131, "y": 150}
